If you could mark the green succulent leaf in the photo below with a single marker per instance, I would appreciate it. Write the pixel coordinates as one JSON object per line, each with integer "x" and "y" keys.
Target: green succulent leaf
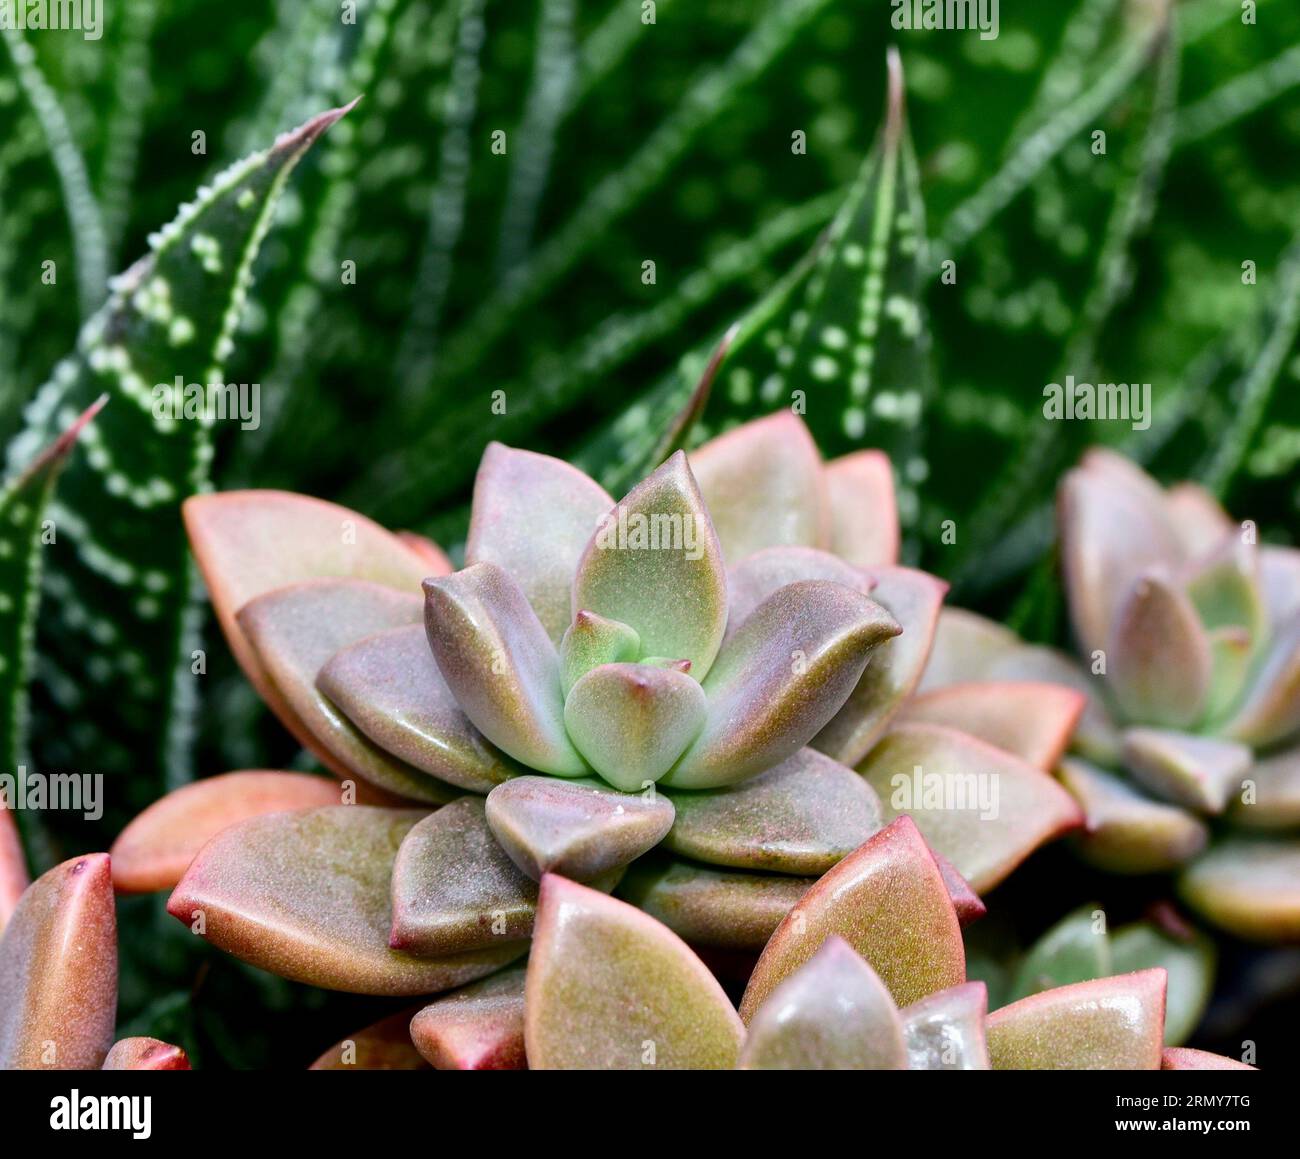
{"x": 779, "y": 678}
{"x": 1247, "y": 885}
{"x": 833, "y": 1013}
{"x": 534, "y": 516}
{"x": 306, "y": 895}
{"x": 846, "y": 334}
{"x": 501, "y": 666}
{"x": 888, "y": 900}
{"x": 389, "y": 686}
{"x": 706, "y": 906}
{"x": 914, "y": 599}
{"x": 1187, "y": 956}
{"x": 169, "y": 319}
{"x": 946, "y": 1030}
{"x": 293, "y": 631}
{"x": 764, "y": 486}
{"x": 1033, "y": 721}
{"x": 799, "y": 818}
{"x": 58, "y": 970}
{"x": 23, "y": 547}
{"x": 610, "y": 988}
{"x": 579, "y": 829}
{"x": 1076, "y": 949}
{"x": 1105, "y": 1024}
{"x": 592, "y": 640}
{"x": 156, "y": 848}
{"x": 632, "y": 721}
{"x": 655, "y": 564}
{"x": 925, "y": 771}
{"x": 1201, "y": 773}
{"x": 478, "y": 1027}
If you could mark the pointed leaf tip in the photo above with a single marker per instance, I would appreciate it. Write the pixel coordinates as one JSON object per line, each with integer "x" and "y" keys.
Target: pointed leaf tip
{"x": 58, "y": 970}
{"x": 833, "y": 1013}
{"x": 609, "y": 988}
{"x": 889, "y": 901}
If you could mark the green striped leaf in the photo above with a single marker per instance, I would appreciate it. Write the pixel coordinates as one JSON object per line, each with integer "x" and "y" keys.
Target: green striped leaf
{"x": 117, "y": 659}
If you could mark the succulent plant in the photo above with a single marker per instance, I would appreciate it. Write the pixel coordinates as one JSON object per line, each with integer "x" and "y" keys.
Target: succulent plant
{"x": 593, "y": 685}
{"x": 1187, "y": 758}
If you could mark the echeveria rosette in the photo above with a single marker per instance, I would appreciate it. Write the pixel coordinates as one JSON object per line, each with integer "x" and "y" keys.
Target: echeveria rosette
{"x": 734, "y": 639}
{"x": 1187, "y": 758}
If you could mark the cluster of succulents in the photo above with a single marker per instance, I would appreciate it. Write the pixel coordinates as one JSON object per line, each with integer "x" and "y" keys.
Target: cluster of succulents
{"x": 1187, "y": 758}
{"x": 624, "y": 740}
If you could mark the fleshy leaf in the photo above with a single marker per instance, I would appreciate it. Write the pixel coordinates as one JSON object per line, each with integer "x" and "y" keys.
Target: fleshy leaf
{"x": 1197, "y": 518}
{"x": 13, "y": 867}
{"x": 1249, "y": 886}
{"x": 1076, "y": 949}
{"x": 578, "y": 829}
{"x": 780, "y": 678}
{"x": 1198, "y": 772}
{"x": 1224, "y": 586}
{"x": 455, "y": 889}
{"x": 801, "y": 817}
{"x": 390, "y": 687}
{"x": 248, "y": 543}
{"x": 610, "y": 988}
{"x": 1125, "y": 831}
{"x": 294, "y": 631}
{"x": 946, "y": 1030}
{"x": 58, "y": 970}
{"x": 864, "y": 513}
{"x": 1274, "y": 800}
{"x": 1188, "y": 958}
{"x": 533, "y": 515}
{"x": 500, "y": 666}
{"x": 1231, "y": 653}
{"x": 965, "y": 648}
{"x": 713, "y": 907}
{"x": 889, "y": 902}
{"x": 592, "y": 640}
{"x": 758, "y": 576}
{"x": 1112, "y": 530}
{"x": 1096, "y": 735}
{"x": 386, "y": 1045}
{"x": 980, "y": 807}
{"x": 1106, "y": 1024}
{"x": 145, "y": 1054}
{"x": 631, "y": 722}
{"x": 1029, "y": 720}
{"x": 1159, "y": 656}
{"x": 655, "y": 564}
{"x": 170, "y": 319}
{"x": 478, "y": 1027}
{"x": 1270, "y": 709}
{"x": 1184, "y": 1058}
{"x": 307, "y": 896}
{"x": 914, "y": 599}
{"x": 833, "y": 1013}
{"x": 156, "y": 848}
{"x": 764, "y": 486}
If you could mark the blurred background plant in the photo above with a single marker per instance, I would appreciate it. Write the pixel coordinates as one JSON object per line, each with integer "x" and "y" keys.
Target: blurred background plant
{"x": 483, "y": 221}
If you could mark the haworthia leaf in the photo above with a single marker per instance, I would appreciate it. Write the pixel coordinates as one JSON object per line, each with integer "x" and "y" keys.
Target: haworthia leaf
{"x": 23, "y": 540}
{"x": 845, "y": 339}
{"x": 120, "y": 660}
